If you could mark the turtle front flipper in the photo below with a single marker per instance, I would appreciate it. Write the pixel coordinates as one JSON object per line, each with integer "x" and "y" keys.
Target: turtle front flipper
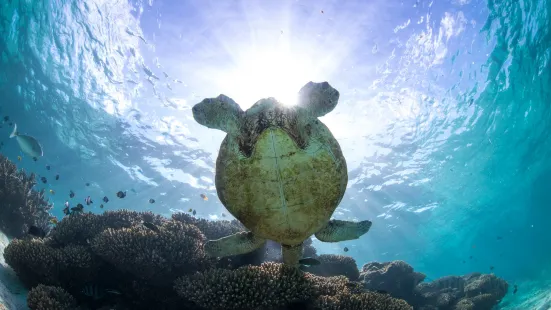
{"x": 239, "y": 243}
{"x": 219, "y": 113}
{"x": 337, "y": 230}
{"x": 318, "y": 98}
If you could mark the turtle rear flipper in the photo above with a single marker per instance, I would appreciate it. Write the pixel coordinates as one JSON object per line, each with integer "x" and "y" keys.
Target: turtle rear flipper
{"x": 239, "y": 243}
{"x": 219, "y": 113}
{"x": 337, "y": 230}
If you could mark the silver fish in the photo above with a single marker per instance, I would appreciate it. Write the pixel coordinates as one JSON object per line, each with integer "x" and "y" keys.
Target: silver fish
{"x": 28, "y": 144}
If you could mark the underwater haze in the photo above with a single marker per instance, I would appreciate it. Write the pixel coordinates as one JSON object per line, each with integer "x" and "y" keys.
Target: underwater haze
{"x": 443, "y": 118}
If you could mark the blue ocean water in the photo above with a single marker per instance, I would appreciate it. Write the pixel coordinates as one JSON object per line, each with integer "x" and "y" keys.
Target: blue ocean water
{"x": 442, "y": 116}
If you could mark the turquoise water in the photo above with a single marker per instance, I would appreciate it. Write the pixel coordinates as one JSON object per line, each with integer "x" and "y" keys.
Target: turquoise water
{"x": 442, "y": 116}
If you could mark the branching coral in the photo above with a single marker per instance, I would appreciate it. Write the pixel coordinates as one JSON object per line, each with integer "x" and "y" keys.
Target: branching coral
{"x": 334, "y": 265}
{"x": 363, "y": 301}
{"x": 35, "y": 262}
{"x": 268, "y": 286}
{"x": 250, "y": 287}
{"x": 161, "y": 256}
{"x": 20, "y": 205}
{"x": 45, "y": 297}
{"x": 81, "y": 228}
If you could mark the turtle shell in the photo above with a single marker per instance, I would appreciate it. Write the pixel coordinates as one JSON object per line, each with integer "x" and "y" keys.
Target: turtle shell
{"x": 282, "y": 179}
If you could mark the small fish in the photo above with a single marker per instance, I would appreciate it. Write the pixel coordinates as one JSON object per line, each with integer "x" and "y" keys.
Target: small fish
{"x": 66, "y": 210}
{"x": 71, "y": 194}
{"x": 114, "y": 292}
{"x": 88, "y": 200}
{"x": 19, "y": 158}
{"x": 53, "y": 220}
{"x": 309, "y": 261}
{"x": 78, "y": 208}
{"x": 29, "y": 145}
{"x": 491, "y": 267}
{"x": 471, "y": 257}
{"x": 345, "y": 249}
{"x": 223, "y": 214}
{"x": 44, "y": 180}
{"x": 205, "y": 198}
{"x": 101, "y": 206}
{"x": 194, "y": 212}
{"x": 133, "y": 190}
{"x": 321, "y": 11}
{"x": 37, "y": 232}
{"x": 151, "y": 200}
{"x": 105, "y": 199}
{"x": 463, "y": 262}
{"x": 48, "y": 167}
{"x": 93, "y": 291}
{"x": 35, "y": 159}
{"x": 151, "y": 226}
{"x": 6, "y": 118}
{"x": 190, "y": 210}
{"x": 87, "y": 184}
{"x": 52, "y": 192}
{"x": 57, "y": 177}
{"x": 121, "y": 194}
{"x": 515, "y": 290}
{"x": 499, "y": 238}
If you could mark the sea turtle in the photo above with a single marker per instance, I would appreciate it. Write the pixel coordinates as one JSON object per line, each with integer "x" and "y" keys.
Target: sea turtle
{"x": 279, "y": 171}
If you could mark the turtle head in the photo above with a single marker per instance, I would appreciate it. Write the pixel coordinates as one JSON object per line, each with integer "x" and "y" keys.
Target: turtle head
{"x": 219, "y": 113}
{"x": 318, "y": 98}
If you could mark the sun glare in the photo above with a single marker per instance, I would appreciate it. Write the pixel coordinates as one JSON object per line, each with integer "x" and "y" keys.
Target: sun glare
{"x": 263, "y": 74}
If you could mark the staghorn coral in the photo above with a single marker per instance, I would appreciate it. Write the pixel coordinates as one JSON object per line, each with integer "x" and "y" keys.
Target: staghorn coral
{"x": 334, "y": 265}
{"x": 20, "y": 205}
{"x": 363, "y": 301}
{"x": 35, "y": 262}
{"x": 396, "y": 277}
{"x": 269, "y": 286}
{"x": 175, "y": 250}
{"x": 45, "y": 297}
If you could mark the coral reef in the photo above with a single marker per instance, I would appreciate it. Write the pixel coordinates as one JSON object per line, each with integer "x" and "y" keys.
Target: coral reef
{"x": 363, "y": 301}
{"x": 334, "y": 265}
{"x": 155, "y": 256}
{"x": 396, "y": 277}
{"x": 37, "y": 263}
{"x": 20, "y": 205}
{"x": 129, "y": 265}
{"x": 44, "y": 297}
{"x": 272, "y": 286}
{"x": 470, "y": 292}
